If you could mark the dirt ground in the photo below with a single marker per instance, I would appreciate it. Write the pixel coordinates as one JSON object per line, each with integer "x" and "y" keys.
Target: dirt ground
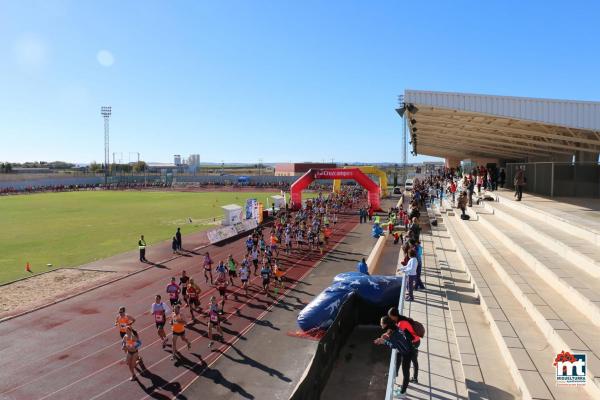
{"x": 45, "y": 288}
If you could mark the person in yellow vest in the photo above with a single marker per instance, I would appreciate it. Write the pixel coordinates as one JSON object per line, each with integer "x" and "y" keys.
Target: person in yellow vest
{"x": 178, "y": 324}
{"x": 142, "y": 247}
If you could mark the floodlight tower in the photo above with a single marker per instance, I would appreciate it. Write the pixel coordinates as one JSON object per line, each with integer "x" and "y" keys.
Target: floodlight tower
{"x": 106, "y": 111}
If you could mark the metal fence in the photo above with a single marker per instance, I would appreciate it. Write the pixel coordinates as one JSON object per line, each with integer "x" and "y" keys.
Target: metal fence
{"x": 558, "y": 179}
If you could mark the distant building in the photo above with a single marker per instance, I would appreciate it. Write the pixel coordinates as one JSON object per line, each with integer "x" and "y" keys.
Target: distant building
{"x": 163, "y": 167}
{"x": 177, "y": 159}
{"x": 41, "y": 170}
{"x": 193, "y": 161}
{"x": 291, "y": 169}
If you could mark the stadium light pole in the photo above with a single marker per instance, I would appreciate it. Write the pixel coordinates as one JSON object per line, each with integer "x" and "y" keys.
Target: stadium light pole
{"x": 106, "y": 111}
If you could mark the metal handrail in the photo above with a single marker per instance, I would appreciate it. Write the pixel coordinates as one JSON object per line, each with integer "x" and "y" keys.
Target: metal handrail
{"x": 389, "y": 392}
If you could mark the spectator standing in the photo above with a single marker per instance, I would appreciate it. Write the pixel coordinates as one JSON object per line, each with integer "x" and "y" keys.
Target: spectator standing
{"x": 453, "y": 191}
{"x": 519, "y": 182}
{"x": 419, "y": 249}
{"x": 178, "y": 237}
{"x": 502, "y": 177}
{"x": 174, "y": 245}
{"x": 471, "y": 189}
{"x": 414, "y": 229}
{"x": 410, "y": 271}
{"x": 462, "y": 202}
{"x": 142, "y": 247}
{"x": 479, "y": 182}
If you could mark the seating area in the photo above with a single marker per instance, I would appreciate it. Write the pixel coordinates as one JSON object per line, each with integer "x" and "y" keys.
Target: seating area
{"x": 535, "y": 272}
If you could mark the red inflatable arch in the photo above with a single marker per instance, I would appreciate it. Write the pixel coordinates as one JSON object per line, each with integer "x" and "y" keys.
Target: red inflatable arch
{"x": 335, "y": 173}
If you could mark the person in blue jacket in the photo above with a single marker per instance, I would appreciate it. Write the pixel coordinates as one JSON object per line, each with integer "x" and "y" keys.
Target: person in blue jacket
{"x": 419, "y": 247}
{"x": 362, "y": 267}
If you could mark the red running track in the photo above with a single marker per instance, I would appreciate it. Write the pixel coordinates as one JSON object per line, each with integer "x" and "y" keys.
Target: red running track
{"x": 71, "y": 350}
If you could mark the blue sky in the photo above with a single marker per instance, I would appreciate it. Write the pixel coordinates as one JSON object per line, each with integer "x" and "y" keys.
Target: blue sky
{"x": 276, "y": 80}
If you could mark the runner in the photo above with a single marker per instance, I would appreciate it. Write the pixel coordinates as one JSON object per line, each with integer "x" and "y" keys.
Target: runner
{"x": 249, "y": 244}
{"x": 244, "y": 274}
{"x": 311, "y": 239}
{"x": 173, "y": 291}
{"x": 208, "y": 268}
{"x": 160, "y": 311}
{"x": 130, "y": 345}
{"x": 265, "y": 273}
{"x": 278, "y": 272}
{"x": 255, "y": 258}
{"x": 183, "y": 283}
{"x": 274, "y": 241}
{"x": 213, "y": 320}
{"x": 178, "y": 324}
{"x": 327, "y": 233}
{"x": 232, "y": 269}
{"x": 262, "y": 245}
{"x": 321, "y": 240}
{"x": 193, "y": 292}
{"x": 221, "y": 268}
{"x": 221, "y": 283}
{"x": 123, "y": 320}
{"x": 288, "y": 240}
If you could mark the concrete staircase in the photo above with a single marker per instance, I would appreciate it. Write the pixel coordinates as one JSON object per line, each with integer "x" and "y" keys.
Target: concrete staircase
{"x": 539, "y": 288}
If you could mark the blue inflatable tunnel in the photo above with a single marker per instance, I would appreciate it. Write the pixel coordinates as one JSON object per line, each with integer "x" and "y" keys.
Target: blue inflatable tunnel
{"x": 378, "y": 290}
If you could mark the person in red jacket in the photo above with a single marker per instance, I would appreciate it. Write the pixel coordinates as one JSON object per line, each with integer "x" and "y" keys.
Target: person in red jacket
{"x": 405, "y": 323}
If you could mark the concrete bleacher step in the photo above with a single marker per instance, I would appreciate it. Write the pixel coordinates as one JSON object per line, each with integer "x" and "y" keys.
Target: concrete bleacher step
{"x": 524, "y": 347}
{"x": 583, "y": 254}
{"x": 577, "y": 287}
{"x": 565, "y": 327}
{"x": 477, "y": 348}
{"x": 558, "y": 219}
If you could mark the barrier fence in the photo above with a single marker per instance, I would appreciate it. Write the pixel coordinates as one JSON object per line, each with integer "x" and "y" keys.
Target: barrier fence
{"x": 558, "y": 179}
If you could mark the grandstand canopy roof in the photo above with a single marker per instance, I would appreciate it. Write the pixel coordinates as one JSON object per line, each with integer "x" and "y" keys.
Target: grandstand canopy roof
{"x": 461, "y": 125}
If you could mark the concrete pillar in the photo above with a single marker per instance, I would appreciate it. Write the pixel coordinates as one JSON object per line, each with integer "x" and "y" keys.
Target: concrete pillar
{"x": 452, "y": 162}
{"x": 586, "y": 156}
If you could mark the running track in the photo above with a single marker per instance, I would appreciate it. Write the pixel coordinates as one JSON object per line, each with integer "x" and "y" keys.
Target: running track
{"x": 71, "y": 350}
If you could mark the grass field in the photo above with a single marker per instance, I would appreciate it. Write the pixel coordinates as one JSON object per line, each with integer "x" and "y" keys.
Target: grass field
{"x": 73, "y": 228}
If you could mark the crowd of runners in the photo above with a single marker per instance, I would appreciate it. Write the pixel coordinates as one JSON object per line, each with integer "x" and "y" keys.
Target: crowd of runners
{"x": 289, "y": 235}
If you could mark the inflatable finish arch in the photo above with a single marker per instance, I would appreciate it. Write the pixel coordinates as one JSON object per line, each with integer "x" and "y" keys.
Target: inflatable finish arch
{"x": 367, "y": 169}
{"x": 335, "y": 173}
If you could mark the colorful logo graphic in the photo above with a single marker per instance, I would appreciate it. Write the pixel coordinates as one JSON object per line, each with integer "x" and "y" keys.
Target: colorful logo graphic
{"x": 570, "y": 368}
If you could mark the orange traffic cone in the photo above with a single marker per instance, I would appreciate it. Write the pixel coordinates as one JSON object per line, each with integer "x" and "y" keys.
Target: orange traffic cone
{"x": 27, "y": 267}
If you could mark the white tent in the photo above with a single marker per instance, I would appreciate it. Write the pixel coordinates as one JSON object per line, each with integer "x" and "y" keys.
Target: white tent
{"x": 233, "y": 214}
{"x": 278, "y": 201}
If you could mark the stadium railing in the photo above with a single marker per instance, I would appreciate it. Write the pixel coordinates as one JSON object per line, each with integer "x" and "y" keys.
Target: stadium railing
{"x": 389, "y": 392}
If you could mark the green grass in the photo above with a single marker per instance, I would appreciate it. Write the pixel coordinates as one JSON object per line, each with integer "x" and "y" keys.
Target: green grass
{"x": 70, "y": 229}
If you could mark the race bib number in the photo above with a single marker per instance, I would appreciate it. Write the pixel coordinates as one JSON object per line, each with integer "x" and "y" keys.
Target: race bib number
{"x": 214, "y": 317}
